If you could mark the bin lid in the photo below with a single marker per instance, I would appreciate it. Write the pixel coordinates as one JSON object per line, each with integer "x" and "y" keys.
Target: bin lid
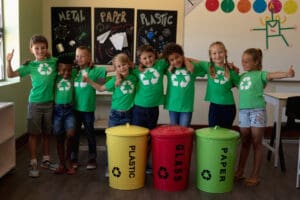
{"x": 127, "y": 130}
{"x": 217, "y": 133}
{"x": 171, "y": 131}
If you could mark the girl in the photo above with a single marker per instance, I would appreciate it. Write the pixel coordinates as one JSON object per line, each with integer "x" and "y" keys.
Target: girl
{"x": 123, "y": 95}
{"x": 181, "y": 87}
{"x": 252, "y": 114}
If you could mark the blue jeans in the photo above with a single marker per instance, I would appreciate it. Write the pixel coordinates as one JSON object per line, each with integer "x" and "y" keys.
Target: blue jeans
{"x": 87, "y": 119}
{"x": 180, "y": 118}
{"x": 63, "y": 118}
{"x": 119, "y": 117}
{"x": 145, "y": 117}
{"x": 221, "y": 115}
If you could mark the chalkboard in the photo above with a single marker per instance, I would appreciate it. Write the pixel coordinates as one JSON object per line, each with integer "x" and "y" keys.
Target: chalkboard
{"x": 114, "y": 31}
{"x": 156, "y": 28}
{"x": 71, "y": 27}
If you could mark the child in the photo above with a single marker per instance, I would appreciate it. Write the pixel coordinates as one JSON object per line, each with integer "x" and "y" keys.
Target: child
{"x": 123, "y": 95}
{"x": 221, "y": 78}
{"x": 84, "y": 104}
{"x": 64, "y": 120}
{"x": 150, "y": 92}
{"x": 181, "y": 86}
{"x": 39, "y": 118}
{"x": 252, "y": 114}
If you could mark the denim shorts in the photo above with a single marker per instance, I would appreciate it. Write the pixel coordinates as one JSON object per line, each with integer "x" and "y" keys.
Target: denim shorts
{"x": 63, "y": 118}
{"x": 39, "y": 118}
{"x": 252, "y": 118}
{"x": 119, "y": 117}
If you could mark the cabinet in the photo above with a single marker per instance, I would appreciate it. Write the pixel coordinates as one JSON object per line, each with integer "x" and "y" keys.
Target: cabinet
{"x": 7, "y": 138}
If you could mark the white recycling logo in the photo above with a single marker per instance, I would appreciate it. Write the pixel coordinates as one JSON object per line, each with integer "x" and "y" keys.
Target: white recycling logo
{"x": 221, "y": 79}
{"x": 149, "y": 76}
{"x": 80, "y": 83}
{"x": 64, "y": 85}
{"x": 180, "y": 78}
{"x": 245, "y": 83}
{"x": 127, "y": 87}
{"x": 44, "y": 69}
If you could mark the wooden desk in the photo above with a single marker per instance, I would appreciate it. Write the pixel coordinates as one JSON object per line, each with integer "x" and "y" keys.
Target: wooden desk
{"x": 278, "y": 100}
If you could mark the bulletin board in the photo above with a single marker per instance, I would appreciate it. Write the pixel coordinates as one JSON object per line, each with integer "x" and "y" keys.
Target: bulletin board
{"x": 113, "y": 33}
{"x": 71, "y": 27}
{"x": 271, "y": 25}
{"x": 156, "y": 28}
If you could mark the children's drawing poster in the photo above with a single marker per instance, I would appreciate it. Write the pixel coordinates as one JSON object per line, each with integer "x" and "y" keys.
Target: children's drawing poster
{"x": 114, "y": 32}
{"x": 71, "y": 27}
{"x": 156, "y": 28}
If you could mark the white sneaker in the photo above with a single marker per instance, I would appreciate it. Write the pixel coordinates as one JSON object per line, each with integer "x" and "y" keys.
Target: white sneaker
{"x": 33, "y": 171}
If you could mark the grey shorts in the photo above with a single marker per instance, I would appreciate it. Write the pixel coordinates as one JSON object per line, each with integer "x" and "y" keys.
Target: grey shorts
{"x": 252, "y": 118}
{"x": 39, "y": 118}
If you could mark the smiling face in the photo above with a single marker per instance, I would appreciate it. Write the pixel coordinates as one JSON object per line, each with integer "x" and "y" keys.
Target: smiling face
{"x": 122, "y": 68}
{"x": 147, "y": 58}
{"x": 176, "y": 60}
{"x": 83, "y": 57}
{"x": 248, "y": 62}
{"x": 39, "y": 50}
{"x": 65, "y": 70}
{"x": 217, "y": 54}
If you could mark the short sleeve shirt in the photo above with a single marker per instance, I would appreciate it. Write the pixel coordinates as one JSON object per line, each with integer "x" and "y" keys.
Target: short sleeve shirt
{"x": 85, "y": 94}
{"x": 123, "y": 95}
{"x": 218, "y": 89}
{"x": 42, "y": 75}
{"x": 64, "y": 89}
{"x": 150, "y": 91}
{"x": 251, "y": 89}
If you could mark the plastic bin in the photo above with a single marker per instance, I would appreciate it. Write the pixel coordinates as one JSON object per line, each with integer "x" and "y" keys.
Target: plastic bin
{"x": 215, "y": 155}
{"x": 127, "y": 155}
{"x": 171, "y": 157}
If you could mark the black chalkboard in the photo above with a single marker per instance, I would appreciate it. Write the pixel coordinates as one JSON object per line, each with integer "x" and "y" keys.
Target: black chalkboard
{"x": 71, "y": 27}
{"x": 114, "y": 29}
{"x": 156, "y": 28}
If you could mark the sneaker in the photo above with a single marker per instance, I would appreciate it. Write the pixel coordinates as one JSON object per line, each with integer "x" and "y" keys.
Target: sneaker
{"x": 71, "y": 171}
{"x": 106, "y": 172}
{"x": 75, "y": 164}
{"x": 47, "y": 164}
{"x": 60, "y": 170}
{"x": 148, "y": 170}
{"x": 33, "y": 171}
{"x": 91, "y": 164}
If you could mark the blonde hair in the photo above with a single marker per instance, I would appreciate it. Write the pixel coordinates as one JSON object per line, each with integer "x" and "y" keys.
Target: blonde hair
{"x": 212, "y": 70}
{"x": 122, "y": 58}
{"x": 256, "y": 55}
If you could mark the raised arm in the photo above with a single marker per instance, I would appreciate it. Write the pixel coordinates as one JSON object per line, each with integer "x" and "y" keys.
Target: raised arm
{"x": 9, "y": 70}
{"x": 279, "y": 75}
{"x": 95, "y": 85}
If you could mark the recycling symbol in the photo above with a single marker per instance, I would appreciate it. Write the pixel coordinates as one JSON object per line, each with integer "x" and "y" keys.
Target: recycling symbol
{"x": 206, "y": 174}
{"x": 116, "y": 172}
{"x": 245, "y": 83}
{"x": 180, "y": 78}
{"x": 80, "y": 83}
{"x": 127, "y": 87}
{"x": 44, "y": 69}
{"x": 149, "y": 76}
{"x": 64, "y": 85}
{"x": 163, "y": 173}
{"x": 221, "y": 79}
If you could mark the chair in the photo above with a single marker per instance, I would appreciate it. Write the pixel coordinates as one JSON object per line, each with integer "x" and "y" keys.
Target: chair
{"x": 289, "y": 129}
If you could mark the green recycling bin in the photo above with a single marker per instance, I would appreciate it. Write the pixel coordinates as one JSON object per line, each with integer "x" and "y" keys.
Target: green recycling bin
{"x": 215, "y": 158}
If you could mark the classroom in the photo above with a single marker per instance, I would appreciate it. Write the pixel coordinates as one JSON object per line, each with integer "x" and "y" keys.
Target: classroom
{"x": 193, "y": 24}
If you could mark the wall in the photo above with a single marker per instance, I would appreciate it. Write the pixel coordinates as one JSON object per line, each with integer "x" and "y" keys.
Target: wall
{"x": 29, "y": 12}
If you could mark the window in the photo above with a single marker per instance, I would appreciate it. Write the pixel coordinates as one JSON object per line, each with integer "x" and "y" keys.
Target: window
{"x": 2, "y": 69}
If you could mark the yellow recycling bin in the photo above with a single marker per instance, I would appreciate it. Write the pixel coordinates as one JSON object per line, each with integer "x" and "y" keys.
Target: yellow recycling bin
{"x": 127, "y": 156}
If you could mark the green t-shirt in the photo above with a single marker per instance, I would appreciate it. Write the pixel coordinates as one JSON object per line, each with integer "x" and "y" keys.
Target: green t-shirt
{"x": 123, "y": 95}
{"x": 218, "y": 89}
{"x": 150, "y": 90}
{"x": 85, "y": 94}
{"x": 251, "y": 88}
{"x": 64, "y": 89}
{"x": 42, "y": 75}
{"x": 181, "y": 89}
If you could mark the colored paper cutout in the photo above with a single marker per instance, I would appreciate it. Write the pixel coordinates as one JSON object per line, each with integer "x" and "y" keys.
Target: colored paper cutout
{"x": 244, "y": 6}
{"x": 227, "y": 6}
{"x": 259, "y": 6}
{"x": 290, "y": 7}
{"x": 274, "y": 6}
{"x": 212, "y": 5}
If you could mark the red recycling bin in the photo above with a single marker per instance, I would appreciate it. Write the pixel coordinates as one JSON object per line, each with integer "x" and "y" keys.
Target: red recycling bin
{"x": 171, "y": 156}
